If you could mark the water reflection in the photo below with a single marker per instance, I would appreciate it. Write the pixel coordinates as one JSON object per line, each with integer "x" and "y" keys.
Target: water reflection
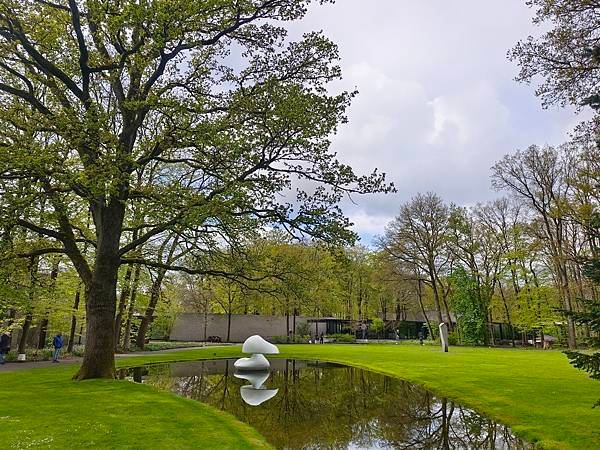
{"x": 316, "y": 405}
{"x": 256, "y": 392}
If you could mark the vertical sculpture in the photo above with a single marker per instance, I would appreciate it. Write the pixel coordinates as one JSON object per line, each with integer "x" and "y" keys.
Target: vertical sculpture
{"x": 255, "y": 393}
{"x": 255, "y": 345}
{"x": 255, "y": 369}
{"x": 444, "y": 336}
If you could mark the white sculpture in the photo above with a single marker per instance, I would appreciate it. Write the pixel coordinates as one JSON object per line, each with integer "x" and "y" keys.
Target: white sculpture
{"x": 444, "y": 336}
{"x": 256, "y": 378}
{"x": 255, "y": 362}
{"x": 255, "y": 393}
{"x": 255, "y": 397}
{"x": 257, "y": 346}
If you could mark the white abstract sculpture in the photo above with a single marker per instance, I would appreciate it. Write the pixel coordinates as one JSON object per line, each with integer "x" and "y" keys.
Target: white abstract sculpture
{"x": 255, "y": 393}
{"x": 257, "y": 346}
{"x": 255, "y": 397}
{"x": 256, "y": 378}
{"x": 255, "y": 362}
{"x": 444, "y": 336}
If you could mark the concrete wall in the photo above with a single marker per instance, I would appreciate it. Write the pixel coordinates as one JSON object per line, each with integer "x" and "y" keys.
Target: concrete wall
{"x": 190, "y": 326}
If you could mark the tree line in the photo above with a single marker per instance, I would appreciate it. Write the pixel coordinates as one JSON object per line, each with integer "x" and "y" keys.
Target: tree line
{"x": 523, "y": 259}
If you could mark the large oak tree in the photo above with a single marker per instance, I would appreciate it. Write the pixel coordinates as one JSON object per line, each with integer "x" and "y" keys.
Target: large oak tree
{"x": 164, "y": 116}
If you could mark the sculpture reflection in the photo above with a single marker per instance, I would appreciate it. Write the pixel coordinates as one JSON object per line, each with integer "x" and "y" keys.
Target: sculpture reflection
{"x": 256, "y": 392}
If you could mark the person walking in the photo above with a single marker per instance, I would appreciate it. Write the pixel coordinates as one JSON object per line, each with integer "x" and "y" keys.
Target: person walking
{"x": 57, "y": 342}
{"x": 4, "y": 347}
{"x": 321, "y": 338}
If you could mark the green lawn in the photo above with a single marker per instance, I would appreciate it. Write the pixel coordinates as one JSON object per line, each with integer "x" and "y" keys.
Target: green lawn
{"x": 537, "y": 393}
{"x": 43, "y": 408}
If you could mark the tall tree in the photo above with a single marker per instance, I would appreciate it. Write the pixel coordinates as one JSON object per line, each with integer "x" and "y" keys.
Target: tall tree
{"x": 418, "y": 236}
{"x": 537, "y": 176}
{"x": 96, "y": 95}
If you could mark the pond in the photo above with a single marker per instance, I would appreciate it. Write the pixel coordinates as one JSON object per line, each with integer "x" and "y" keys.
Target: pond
{"x": 316, "y": 405}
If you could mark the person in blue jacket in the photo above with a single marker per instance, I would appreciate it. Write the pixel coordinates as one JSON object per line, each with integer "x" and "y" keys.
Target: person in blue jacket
{"x": 57, "y": 342}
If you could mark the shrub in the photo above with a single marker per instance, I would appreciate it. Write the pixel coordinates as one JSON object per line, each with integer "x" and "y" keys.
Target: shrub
{"x": 303, "y": 329}
{"x": 289, "y": 340}
{"x": 166, "y": 345}
{"x": 33, "y": 354}
{"x": 377, "y": 326}
{"x": 453, "y": 338}
{"x": 78, "y": 350}
{"x": 341, "y": 338}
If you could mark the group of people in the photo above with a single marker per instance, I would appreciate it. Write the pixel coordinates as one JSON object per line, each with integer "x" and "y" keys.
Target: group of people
{"x": 57, "y": 343}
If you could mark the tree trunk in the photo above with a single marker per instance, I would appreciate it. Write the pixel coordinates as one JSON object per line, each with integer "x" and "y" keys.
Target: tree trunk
{"x": 131, "y": 309}
{"x": 205, "y": 316}
{"x": 101, "y": 293}
{"x": 228, "y": 324}
{"x": 33, "y": 269}
{"x": 100, "y": 299}
{"x": 44, "y": 323}
{"x": 489, "y": 337}
{"x": 436, "y": 294}
{"x": 125, "y": 291}
{"x": 25, "y": 333}
{"x": 149, "y": 313}
{"x": 349, "y": 302}
{"x": 287, "y": 324}
{"x": 294, "y": 322}
{"x": 420, "y": 298}
{"x": 512, "y": 330}
{"x": 566, "y": 294}
{"x": 43, "y": 334}
{"x": 74, "y": 320}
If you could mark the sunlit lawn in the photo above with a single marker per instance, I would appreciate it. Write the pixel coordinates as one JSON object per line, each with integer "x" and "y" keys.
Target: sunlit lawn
{"x": 43, "y": 408}
{"x": 537, "y": 393}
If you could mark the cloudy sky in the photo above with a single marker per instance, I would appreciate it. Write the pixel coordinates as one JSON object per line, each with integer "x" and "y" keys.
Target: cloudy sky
{"x": 438, "y": 104}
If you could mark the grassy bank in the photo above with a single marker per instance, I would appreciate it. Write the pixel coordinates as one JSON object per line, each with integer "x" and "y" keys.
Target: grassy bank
{"x": 537, "y": 393}
{"x": 43, "y": 408}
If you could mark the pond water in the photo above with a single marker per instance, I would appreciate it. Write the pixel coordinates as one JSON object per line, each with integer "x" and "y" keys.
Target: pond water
{"x": 316, "y": 405}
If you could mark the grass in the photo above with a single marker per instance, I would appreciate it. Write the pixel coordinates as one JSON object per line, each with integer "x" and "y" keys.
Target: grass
{"x": 43, "y": 408}
{"x": 537, "y": 393}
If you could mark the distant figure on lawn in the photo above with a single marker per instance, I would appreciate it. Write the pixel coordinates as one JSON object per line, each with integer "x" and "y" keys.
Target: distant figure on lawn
{"x": 57, "y": 342}
{"x": 321, "y": 338}
{"x": 4, "y": 346}
{"x": 421, "y": 337}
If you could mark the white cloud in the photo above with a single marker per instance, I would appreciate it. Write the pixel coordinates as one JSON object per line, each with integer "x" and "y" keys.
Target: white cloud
{"x": 369, "y": 224}
{"x": 473, "y": 114}
{"x": 437, "y": 103}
